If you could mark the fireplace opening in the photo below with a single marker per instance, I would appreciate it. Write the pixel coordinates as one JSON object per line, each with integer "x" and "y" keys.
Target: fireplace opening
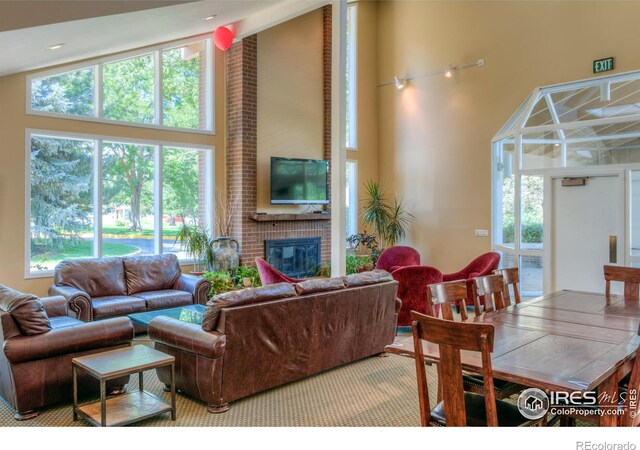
{"x": 298, "y": 257}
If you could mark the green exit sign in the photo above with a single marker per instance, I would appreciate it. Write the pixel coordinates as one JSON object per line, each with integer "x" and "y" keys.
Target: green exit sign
{"x": 603, "y": 65}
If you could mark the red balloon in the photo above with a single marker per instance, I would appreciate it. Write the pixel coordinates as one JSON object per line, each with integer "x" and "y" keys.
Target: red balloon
{"x": 223, "y": 38}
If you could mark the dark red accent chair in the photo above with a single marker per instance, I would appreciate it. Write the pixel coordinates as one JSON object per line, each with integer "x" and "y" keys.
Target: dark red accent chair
{"x": 271, "y": 275}
{"x": 397, "y": 256}
{"x": 483, "y": 265}
{"x": 412, "y": 290}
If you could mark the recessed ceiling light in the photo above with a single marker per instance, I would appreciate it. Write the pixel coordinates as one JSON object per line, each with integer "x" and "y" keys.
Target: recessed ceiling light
{"x": 209, "y": 17}
{"x": 56, "y": 46}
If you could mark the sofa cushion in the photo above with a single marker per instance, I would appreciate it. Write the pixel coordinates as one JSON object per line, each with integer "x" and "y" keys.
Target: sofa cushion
{"x": 319, "y": 285}
{"x": 26, "y": 311}
{"x": 151, "y": 273}
{"x": 63, "y": 322}
{"x": 167, "y": 298}
{"x": 98, "y": 277}
{"x": 364, "y": 278}
{"x": 117, "y": 305}
{"x": 245, "y": 296}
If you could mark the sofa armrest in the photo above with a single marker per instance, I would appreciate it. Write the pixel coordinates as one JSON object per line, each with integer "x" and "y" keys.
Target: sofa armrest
{"x": 186, "y": 336}
{"x": 197, "y": 286}
{"x": 56, "y": 306}
{"x": 79, "y": 301}
{"x": 73, "y": 339}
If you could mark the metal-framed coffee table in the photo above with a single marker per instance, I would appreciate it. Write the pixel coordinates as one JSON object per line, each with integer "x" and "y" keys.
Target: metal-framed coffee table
{"x": 132, "y": 406}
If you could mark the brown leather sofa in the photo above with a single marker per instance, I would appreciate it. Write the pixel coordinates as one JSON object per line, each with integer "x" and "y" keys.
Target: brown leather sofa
{"x": 100, "y": 288}
{"x": 258, "y": 338}
{"x": 39, "y": 337}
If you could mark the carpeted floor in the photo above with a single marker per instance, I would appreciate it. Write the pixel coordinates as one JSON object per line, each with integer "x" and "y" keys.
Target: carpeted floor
{"x": 374, "y": 392}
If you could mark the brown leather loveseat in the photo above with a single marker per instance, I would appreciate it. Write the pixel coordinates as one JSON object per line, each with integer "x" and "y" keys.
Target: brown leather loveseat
{"x": 100, "y": 288}
{"x": 38, "y": 338}
{"x": 258, "y": 338}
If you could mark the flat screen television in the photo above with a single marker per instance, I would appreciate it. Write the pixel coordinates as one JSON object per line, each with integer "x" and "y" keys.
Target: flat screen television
{"x": 299, "y": 181}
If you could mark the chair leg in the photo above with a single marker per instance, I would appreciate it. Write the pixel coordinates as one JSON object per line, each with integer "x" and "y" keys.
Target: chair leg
{"x": 566, "y": 421}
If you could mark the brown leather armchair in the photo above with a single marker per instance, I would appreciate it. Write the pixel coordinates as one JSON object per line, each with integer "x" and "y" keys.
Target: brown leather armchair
{"x": 39, "y": 337}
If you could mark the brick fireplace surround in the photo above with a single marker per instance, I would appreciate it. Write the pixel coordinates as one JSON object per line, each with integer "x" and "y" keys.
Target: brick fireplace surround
{"x": 242, "y": 103}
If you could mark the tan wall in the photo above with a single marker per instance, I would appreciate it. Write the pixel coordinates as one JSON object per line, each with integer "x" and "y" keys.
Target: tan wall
{"x": 14, "y": 121}
{"x": 366, "y": 155}
{"x": 290, "y": 109}
{"x": 435, "y": 135}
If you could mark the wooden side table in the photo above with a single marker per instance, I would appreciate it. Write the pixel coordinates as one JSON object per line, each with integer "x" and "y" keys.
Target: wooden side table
{"x": 126, "y": 408}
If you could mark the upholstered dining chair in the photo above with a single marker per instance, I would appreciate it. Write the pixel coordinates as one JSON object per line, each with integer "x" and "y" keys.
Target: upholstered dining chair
{"x": 630, "y": 276}
{"x": 396, "y": 257}
{"x": 484, "y": 264}
{"x": 511, "y": 277}
{"x": 413, "y": 282}
{"x": 442, "y": 296}
{"x": 271, "y": 275}
{"x": 457, "y": 407}
{"x": 491, "y": 288}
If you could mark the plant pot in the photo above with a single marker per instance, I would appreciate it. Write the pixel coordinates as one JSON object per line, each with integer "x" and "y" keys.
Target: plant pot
{"x": 197, "y": 274}
{"x": 225, "y": 257}
{"x": 365, "y": 268}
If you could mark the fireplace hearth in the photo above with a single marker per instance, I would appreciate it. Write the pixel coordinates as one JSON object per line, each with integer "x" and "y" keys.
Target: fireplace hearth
{"x": 298, "y": 257}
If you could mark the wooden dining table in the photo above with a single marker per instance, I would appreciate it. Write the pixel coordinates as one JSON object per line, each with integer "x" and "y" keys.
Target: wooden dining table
{"x": 565, "y": 341}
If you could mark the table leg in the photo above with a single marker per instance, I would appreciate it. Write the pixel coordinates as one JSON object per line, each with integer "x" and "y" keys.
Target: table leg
{"x": 140, "y": 381}
{"x": 74, "y": 372}
{"x": 103, "y": 403}
{"x": 608, "y": 398}
{"x": 173, "y": 392}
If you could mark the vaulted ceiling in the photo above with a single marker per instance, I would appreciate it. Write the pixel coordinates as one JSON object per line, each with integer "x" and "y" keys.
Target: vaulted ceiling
{"x": 94, "y": 28}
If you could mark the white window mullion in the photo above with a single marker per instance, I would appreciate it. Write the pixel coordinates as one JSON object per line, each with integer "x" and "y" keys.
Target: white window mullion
{"x": 210, "y": 91}
{"x": 157, "y": 200}
{"x": 209, "y": 192}
{"x": 159, "y": 113}
{"x": 99, "y": 74}
{"x": 97, "y": 199}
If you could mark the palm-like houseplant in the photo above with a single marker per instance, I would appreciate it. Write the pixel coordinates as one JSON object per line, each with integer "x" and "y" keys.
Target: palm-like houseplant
{"x": 196, "y": 242}
{"x": 386, "y": 214}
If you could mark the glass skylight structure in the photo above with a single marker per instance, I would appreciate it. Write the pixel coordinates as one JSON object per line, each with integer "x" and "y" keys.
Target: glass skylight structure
{"x": 559, "y": 130}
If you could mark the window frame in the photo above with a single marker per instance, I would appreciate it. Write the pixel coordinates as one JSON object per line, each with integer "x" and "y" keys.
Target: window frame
{"x": 353, "y": 197}
{"x": 156, "y": 51}
{"x": 352, "y": 98}
{"x": 98, "y": 140}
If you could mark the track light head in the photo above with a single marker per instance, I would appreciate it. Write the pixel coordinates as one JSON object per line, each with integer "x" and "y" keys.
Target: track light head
{"x": 400, "y": 83}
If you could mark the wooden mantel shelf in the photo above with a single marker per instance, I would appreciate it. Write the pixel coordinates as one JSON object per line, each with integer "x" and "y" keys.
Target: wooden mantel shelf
{"x": 280, "y": 217}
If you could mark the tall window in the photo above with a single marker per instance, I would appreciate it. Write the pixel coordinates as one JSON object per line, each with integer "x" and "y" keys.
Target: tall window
{"x": 351, "y": 77}
{"x": 166, "y": 87}
{"x": 352, "y": 198}
{"x": 143, "y": 191}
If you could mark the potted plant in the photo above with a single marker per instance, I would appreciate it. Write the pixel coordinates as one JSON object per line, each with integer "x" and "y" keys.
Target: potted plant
{"x": 386, "y": 215}
{"x": 225, "y": 258}
{"x": 197, "y": 243}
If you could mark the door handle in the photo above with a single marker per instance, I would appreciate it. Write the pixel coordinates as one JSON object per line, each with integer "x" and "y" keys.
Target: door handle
{"x": 613, "y": 249}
